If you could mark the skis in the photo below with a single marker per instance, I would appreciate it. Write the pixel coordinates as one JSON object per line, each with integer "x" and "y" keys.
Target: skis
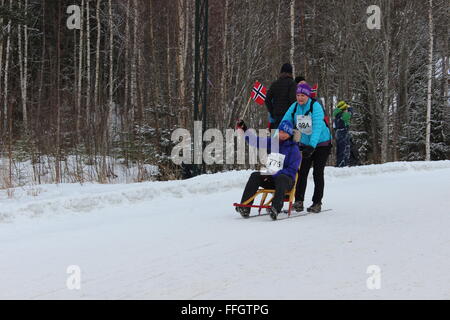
{"x": 284, "y": 214}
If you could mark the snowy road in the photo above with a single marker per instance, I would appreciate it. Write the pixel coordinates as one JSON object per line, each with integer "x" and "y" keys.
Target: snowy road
{"x": 194, "y": 246}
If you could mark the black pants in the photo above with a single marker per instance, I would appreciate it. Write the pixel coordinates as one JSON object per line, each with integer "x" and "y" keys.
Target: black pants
{"x": 317, "y": 160}
{"x": 281, "y": 183}
{"x": 342, "y": 147}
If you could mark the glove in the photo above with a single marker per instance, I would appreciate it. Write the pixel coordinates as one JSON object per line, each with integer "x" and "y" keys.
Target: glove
{"x": 307, "y": 151}
{"x": 240, "y": 124}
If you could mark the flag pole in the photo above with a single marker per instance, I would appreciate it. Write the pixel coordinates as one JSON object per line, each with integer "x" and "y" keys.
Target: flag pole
{"x": 246, "y": 107}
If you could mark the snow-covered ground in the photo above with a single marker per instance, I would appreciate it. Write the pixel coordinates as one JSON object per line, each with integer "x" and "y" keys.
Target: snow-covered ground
{"x": 183, "y": 239}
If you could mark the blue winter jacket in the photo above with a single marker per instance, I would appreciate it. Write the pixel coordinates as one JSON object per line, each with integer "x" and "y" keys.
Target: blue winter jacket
{"x": 288, "y": 147}
{"x": 320, "y": 132}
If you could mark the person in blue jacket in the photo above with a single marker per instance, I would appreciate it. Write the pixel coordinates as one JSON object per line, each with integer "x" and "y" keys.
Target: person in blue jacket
{"x": 282, "y": 166}
{"x": 308, "y": 116}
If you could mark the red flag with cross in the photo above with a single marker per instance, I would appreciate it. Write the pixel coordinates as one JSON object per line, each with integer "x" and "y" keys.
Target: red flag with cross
{"x": 259, "y": 93}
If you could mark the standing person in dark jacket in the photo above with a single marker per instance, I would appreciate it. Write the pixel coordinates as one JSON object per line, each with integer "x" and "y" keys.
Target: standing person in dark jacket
{"x": 281, "y": 94}
{"x": 281, "y": 171}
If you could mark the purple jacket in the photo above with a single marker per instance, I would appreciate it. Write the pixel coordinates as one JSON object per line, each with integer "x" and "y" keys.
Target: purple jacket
{"x": 288, "y": 147}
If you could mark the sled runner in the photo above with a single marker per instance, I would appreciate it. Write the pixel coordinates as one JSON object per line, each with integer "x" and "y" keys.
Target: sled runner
{"x": 288, "y": 197}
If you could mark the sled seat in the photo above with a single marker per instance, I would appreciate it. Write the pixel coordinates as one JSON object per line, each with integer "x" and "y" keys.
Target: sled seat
{"x": 288, "y": 197}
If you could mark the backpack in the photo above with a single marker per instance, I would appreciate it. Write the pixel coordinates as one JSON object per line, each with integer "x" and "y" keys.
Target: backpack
{"x": 338, "y": 122}
{"x": 326, "y": 118}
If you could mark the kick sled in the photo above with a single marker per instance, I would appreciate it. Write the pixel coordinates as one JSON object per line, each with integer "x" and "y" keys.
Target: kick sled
{"x": 288, "y": 197}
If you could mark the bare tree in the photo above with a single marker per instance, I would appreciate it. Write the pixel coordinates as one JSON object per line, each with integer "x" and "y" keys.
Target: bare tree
{"x": 446, "y": 69}
{"x": 58, "y": 102}
{"x": 5, "y": 87}
{"x": 23, "y": 64}
{"x": 292, "y": 51}
{"x": 80, "y": 73}
{"x": 386, "y": 92}
{"x": 1, "y": 69}
{"x": 88, "y": 64}
{"x": 97, "y": 58}
{"x": 430, "y": 79}
{"x": 111, "y": 68}
{"x": 127, "y": 65}
{"x": 134, "y": 63}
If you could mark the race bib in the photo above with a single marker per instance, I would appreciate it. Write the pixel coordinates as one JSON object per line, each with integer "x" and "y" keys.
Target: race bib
{"x": 275, "y": 162}
{"x": 304, "y": 124}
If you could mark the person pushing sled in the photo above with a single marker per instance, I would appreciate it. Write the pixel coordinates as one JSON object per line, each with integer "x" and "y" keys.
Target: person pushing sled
{"x": 282, "y": 167}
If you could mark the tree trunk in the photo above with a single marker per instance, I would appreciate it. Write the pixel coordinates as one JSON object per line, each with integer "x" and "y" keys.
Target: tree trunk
{"x": 292, "y": 51}
{"x": 181, "y": 56}
{"x": 5, "y": 86}
{"x": 445, "y": 76}
{"x": 223, "y": 84}
{"x": 25, "y": 90}
{"x": 302, "y": 27}
{"x": 125, "y": 119}
{"x": 88, "y": 65}
{"x": 168, "y": 62}
{"x": 136, "y": 61}
{"x": 23, "y": 65}
{"x": 373, "y": 108}
{"x": 386, "y": 95}
{"x": 133, "y": 65}
{"x": 58, "y": 103}
{"x": 97, "y": 60}
{"x": 430, "y": 78}
{"x": 80, "y": 74}
{"x": 111, "y": 69}
{"x": 1, "y": 57}
{"x": 402, "y": 110}
{"x": 41, "y": 80}
{"x": 277, "y": 32}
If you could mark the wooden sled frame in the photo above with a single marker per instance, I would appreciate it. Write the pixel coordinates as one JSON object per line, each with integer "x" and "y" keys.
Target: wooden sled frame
{"x": 265, "y": 192}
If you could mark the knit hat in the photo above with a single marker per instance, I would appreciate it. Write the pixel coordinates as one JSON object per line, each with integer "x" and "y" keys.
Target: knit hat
{"x": 287, "y": 127}
{"x": 299, "y": 78}
{"x": 287, "y": 68}
{"x": 304, "y": 88}
{"x": 342, "y": 105}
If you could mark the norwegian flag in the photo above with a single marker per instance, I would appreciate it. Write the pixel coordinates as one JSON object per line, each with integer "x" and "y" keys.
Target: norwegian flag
{"x": 259, "y": 93}
{"x": 314, "y": 91}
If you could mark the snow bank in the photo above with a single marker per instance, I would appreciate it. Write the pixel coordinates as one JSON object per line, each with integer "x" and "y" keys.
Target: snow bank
{"x": 391, "y": 167}
{"x": 73, "y": 170}
{"x": 40, "y": 200}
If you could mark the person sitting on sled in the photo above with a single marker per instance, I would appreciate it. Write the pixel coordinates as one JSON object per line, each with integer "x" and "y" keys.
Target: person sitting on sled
{"x": 282, "y": 167}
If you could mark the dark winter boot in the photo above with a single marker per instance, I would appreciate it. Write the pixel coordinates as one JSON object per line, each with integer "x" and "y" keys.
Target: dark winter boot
{"x": 298, "y": 206}
{"x": 244, "y": 211}
{"x": 273, "y": 213}
{"x": 315, "y": 208}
